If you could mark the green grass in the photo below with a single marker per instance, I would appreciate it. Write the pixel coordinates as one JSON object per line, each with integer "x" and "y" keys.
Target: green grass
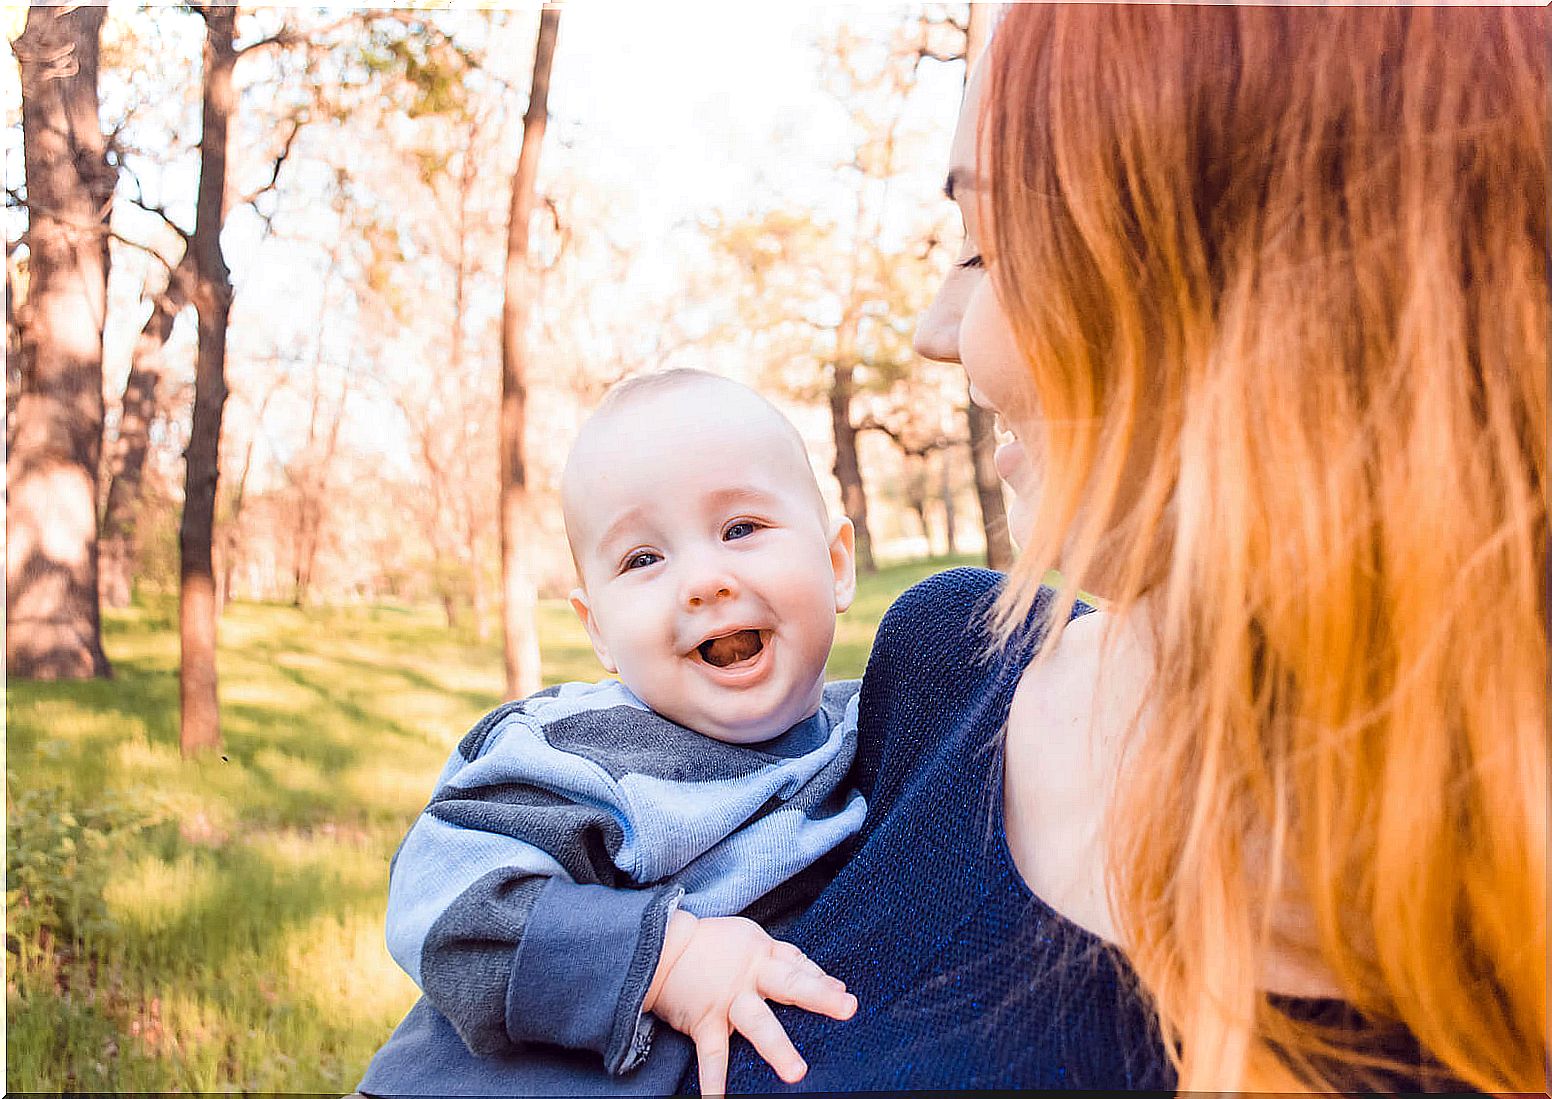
{"x": 217, "y": 925}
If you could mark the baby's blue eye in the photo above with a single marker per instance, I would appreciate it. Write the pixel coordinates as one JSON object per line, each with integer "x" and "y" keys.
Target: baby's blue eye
{"x": 640, "y": 560}
{"x": 741, "y": 529}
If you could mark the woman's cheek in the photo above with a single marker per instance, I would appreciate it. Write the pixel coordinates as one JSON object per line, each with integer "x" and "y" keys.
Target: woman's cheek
{"x": 991, "y": 356}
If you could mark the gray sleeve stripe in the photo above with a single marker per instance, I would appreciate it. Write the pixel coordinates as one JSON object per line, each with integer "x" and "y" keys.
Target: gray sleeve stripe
{"x": 466, "y": 962}
{"x": 473, "y": 742}
{"x": 583, "y": 839}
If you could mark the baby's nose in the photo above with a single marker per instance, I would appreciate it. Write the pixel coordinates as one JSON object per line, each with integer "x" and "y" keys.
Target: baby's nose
{"x": 714, "y": 589}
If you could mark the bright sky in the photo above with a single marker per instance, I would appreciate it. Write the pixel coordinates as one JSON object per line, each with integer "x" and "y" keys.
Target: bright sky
{"x": 686, "y": 91}
{"x": 704, "y": 101}
{"x": 686, "y": 108}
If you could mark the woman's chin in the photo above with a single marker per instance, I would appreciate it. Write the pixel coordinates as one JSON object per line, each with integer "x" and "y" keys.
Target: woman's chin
{"x": 1021, "y": 521}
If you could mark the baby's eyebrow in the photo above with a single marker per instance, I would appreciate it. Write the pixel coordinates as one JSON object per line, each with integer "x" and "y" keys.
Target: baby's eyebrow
{"x": 621, "y": 524}
{"x": 740, "y": 494}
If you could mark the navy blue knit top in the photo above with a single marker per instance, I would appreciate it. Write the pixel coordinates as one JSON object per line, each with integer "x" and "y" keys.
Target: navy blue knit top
{"x": 964, "y": 978}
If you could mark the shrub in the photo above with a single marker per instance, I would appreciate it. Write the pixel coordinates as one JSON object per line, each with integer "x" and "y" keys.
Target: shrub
{"x": 56, "y": 868}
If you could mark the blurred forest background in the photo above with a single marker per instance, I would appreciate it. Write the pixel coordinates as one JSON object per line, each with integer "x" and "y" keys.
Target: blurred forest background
{"x": 303, "y": 307}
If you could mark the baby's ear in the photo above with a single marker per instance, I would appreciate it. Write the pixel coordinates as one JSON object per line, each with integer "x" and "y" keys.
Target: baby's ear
{"x": 584, "y": 611}
{"x": 843, "y": 560}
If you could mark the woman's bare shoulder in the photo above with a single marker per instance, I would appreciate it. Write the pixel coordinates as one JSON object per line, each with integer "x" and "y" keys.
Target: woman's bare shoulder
{"x": 1071, "y": 714}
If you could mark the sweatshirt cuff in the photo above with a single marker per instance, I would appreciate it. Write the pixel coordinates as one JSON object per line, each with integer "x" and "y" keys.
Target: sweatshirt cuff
{"x": 582, "y": 969}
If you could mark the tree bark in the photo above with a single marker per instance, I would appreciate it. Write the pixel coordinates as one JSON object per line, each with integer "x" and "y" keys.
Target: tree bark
{"x": 139, "y": 411}
{"x": 318, "y": 484}
{"x": 467, "y": 176}
{"x": 945, "y": 470}
{"x": 233, "y": 530}
{"x": 53, "y": 629}
{"x": 988, "y": 488}
{"x": 13, "y": 353}
{"x": 983, "y": 441}
{"x": 848, "y": 471}
{"x": 519, "y": 628}
{"x": 200, "y": 728}
{"x": 916, "y": 498}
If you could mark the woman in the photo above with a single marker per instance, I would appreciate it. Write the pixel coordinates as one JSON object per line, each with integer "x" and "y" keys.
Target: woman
{"x": 1261, "y": 294}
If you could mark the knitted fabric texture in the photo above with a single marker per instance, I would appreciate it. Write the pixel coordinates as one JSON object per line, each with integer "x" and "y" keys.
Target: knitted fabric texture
{"x": 964, "y": 979}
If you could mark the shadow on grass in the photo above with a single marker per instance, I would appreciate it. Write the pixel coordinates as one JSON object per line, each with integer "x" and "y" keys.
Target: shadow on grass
{"x": 147, "y": 1010}
{"x": 251, "y": 905}
{"x": 478, "y": 701}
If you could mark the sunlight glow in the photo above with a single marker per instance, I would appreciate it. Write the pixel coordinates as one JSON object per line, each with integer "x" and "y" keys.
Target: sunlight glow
{"x": 152, "y": 895}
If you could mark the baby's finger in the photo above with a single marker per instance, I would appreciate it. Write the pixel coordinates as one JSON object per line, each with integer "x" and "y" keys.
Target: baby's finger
{"x": 711, "y": 1050}
{"x": 786, "y": 952}
{"x": 807, "y": 987}
{"x": 752, "y": 1018}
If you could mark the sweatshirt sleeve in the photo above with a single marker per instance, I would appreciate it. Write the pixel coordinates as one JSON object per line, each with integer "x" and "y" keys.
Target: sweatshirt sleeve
{"x": 505, "y": 904}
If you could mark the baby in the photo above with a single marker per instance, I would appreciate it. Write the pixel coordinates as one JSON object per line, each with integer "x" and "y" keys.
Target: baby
{"x": 578, "y": 870}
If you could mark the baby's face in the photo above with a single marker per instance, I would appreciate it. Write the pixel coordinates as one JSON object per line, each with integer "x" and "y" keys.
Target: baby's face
{"x": 710, "y": 576}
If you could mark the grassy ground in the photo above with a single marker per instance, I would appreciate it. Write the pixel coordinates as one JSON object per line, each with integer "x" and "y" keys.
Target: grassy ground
{"x": 217, "y": 925}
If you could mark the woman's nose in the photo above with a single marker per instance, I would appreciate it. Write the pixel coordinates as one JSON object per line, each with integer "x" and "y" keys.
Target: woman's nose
{"x": 937, "y": 333}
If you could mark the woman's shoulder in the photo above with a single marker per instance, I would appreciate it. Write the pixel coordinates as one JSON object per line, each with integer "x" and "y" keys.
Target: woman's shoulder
{"x": 946, "y": 609}
{"x": 939, "y": 675}
{"x": 947, "y": 619}
{"x": 945, "y": 590}
{"x": 933, "y": 662}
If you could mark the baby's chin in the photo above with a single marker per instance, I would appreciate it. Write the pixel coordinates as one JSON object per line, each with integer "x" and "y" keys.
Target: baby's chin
{"x": 744, "y": 729}
{"x": 756, "y": 729}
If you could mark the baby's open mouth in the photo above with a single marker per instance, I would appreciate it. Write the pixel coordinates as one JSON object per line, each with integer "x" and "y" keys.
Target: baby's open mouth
{"x": 731, "y": 648}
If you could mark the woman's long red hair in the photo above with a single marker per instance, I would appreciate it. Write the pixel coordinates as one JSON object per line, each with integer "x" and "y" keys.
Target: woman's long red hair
{"x": 1281, "y": 278}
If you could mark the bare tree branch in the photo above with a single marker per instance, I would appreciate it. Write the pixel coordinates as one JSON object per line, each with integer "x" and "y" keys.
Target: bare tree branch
{"x": 139, "y": 200}
{"x": 167, "y": 219}
{"x": 291, "y": 34}
{"x": 297, "y": 121}
{"x": 170, "y": 264}
{"x": 912, "y": 449}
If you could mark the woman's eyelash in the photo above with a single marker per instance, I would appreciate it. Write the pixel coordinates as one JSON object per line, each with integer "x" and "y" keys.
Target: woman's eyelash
{"x": 973, "y": 261}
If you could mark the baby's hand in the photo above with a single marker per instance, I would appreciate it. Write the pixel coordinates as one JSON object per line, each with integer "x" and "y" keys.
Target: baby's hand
{"x": 714, "y": 978}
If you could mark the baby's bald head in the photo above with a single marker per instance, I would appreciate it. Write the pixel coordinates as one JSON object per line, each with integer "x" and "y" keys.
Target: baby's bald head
{"x": 692, "y": 413}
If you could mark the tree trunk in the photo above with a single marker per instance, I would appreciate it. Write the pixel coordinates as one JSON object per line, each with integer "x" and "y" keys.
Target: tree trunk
{"x": 848, "y": 472}
{"x": 467, "y": 176}
{"x": 200, "y": 728}
{"x": 919, "y": 506}
{"x": 139, "y": 411}
{"x": 53, "y": 629}
{"x": 318, "y": 484}
{"x": 988, "y": 488}
{"x": 913, "y": 487}
{"x": 983, "y": 440}
{"x": 519, "y": 628}
{"x": 13, "y": 355}
{"x": 232, "y": 535}
{"x": 306, "y": 472}
{"x": 946, "y": 468}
